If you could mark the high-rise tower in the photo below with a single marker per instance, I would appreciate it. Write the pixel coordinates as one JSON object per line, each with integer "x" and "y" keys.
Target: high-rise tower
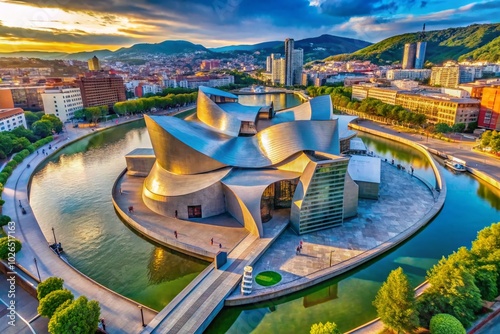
{"x": 420, "y": 53}
{"x": 409, "y": 56}
{"x": 289, "y": 46}
{"x": 94, "y": 64}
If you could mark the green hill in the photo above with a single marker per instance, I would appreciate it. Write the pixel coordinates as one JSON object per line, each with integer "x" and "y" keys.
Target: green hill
{"x": 475, "y": 42}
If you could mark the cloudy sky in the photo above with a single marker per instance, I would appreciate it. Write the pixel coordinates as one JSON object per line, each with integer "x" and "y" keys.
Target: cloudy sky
{"x": 85, "y": 25}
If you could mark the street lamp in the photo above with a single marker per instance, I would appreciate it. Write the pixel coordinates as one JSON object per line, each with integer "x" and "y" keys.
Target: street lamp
{"x": 37, "y": 271}
{"x": 142, "y": 315}
{"x": 54, "y": 233}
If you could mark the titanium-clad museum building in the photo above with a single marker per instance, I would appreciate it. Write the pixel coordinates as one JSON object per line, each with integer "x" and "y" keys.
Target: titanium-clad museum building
{"x": 249, "y": 161}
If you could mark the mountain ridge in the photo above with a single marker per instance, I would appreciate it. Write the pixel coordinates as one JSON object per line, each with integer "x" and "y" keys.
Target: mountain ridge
{"x": 474, "y": 42}
{"x": 328, "y": 45}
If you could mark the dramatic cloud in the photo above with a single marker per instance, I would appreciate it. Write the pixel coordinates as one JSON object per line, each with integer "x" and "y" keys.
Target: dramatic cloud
{"x": 115, "y": 23}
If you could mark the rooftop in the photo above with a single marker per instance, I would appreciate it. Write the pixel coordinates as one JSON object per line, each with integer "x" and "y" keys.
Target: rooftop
{"x": 5, "y": 113}
{"x": 364, "y": 168}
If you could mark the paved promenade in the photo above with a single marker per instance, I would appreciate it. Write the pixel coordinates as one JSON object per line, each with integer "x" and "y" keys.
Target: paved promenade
{"x": 377, "y": 222}
{"x": 193, "y": 237}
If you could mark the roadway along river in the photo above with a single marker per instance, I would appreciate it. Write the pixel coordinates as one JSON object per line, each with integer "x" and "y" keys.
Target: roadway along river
{"x": 72, "y": 193}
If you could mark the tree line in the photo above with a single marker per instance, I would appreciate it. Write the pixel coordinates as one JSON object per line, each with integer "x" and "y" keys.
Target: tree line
{"x": 341, "y": 98}
{"x": 148, "y": 103}
{"x": 39, "y": 126}
{"x": 457, "y": 286}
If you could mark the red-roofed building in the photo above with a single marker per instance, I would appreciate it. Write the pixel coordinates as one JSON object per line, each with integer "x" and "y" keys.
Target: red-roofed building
{"x": 11, "y": 118}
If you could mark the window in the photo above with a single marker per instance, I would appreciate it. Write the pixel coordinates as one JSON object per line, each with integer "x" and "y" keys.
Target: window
{"x": 194, "y": 211}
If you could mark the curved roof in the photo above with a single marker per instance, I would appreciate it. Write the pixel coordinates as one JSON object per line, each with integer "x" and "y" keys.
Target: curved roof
{"x": 163, "y": 183}
{"x": 268, "y": 147}
{"x": 212, "y": 115}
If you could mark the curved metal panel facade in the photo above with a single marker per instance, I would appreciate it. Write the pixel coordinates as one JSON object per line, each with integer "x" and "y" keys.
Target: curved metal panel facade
{"x": 174, "y": 155}
{"x": 164, "y": 183}
{"x": 212, "y": 115}
{"x": 188, "y": 148}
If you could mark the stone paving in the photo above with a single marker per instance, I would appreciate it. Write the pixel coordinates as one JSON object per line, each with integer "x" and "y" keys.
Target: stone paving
{"x": 192, "y": 236}
{"x": 403, "y": 201}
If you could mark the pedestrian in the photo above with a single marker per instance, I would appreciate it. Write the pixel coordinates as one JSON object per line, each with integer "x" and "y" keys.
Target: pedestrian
{"x": 20, "y": 205}
{"x": 37, "y": 152}
{"x": 176, "y": 214}
{"x": 411, "y": 170}
{"x": 297, "y": 250}
{"x": 120, "y": 190}
{"x": 220, "y": 245}
{"x": 103, "y": 324}
{"x": 130, "y": 209}
{"x": 300, "y": 244}
{"x": 212, "y": 241}
{"x": 175, "y": 233}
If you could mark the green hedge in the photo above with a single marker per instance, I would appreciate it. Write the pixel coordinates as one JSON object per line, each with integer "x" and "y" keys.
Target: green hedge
{"x": 446, "y": 324}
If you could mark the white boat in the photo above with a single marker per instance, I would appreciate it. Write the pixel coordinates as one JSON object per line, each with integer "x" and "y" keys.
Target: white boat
{"x": 457, "y": 167}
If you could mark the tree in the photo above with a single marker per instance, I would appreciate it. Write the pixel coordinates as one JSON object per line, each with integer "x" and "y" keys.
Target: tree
{"x": 21, "y": 131}
{"x": 395, "y": 303}
{"x": 442, "y": 128}
{"x": 452, "y": 290}
{"x": 92, "y": 114}
{"x": 42, "y": 129}
{"x": 486, "y": 248}
{"x": 8, "y": 247}
{"x": 20, "y": 144}
{"x": 57, "y": 125}
{"x": 49, "y": 285}
{"x": 31, "y": 118}
{"x": 6, "y": 144}
{"x": 4, "y": 219}
{"x": 446, "y": 324}
{"x": 326, "y": 328}
{"x": 120, "y": 108}
{"x": 80, "y": 316}
{"x": 49, "y": 304}
{"x": 79, "y": 114}
{"x": 459, "y": 127}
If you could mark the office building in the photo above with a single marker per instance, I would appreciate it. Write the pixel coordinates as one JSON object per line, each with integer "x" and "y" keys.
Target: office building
{"x": 62, "y": 102}
{"x": 420, "y": 55}
{"x": 413, "y": 74}
{"x": 489, "y": 112}
{"x": 264, "y": 161}
{"x": 28, "y": 97}
{"x": 212, "y": 64}
{"x": 94, "y": 64}
{"x": 289, "y": 47}
{"x": 101, "y": 90}
{"x": 440, "y": 108}
{"x": 297, "y": 66}
{"x": 279, "y": 71}
{"x": 12, "y": 118}
{"x": 410, "y": 51}
{"x": 445, "y": 76}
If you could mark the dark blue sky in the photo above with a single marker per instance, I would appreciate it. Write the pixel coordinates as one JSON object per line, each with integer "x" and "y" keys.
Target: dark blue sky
{"x": 90, "y": 24}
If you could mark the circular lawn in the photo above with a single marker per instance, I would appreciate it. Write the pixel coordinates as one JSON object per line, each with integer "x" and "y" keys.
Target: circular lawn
{"x": 268, "y": 278}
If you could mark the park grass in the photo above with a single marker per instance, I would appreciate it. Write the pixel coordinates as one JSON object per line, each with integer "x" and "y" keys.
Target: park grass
{"x": 268, "y": 278}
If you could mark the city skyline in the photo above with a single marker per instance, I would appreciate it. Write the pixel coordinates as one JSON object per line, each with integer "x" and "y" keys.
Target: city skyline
{"x": 85, "y": 25}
